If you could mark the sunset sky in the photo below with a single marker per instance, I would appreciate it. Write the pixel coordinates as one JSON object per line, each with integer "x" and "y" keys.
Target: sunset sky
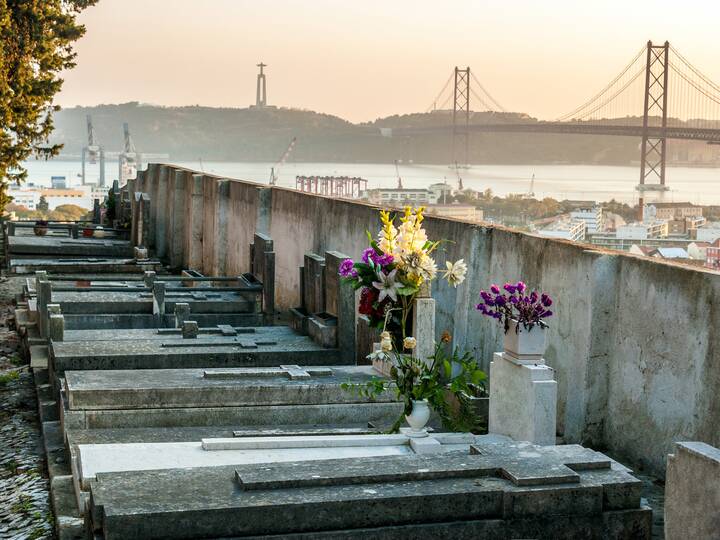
{"x": 368, "y": 59}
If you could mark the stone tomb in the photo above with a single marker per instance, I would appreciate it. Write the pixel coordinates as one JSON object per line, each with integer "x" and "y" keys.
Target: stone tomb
{"x": 90, "y": 460}
{"x": 327, "y": 310}
{"x": 134, "y": 305}
{"x": 262, "y": 346}
{"x": 82, "y": 265}
{"x": 68, "y": 247}
{"x": 285, "y": 395}
{"x": 495, "y": 490}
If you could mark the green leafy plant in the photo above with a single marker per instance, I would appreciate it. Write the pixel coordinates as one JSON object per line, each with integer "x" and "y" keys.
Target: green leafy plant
{"x": 5, "y": 378}
{"x": 447, "y": 378}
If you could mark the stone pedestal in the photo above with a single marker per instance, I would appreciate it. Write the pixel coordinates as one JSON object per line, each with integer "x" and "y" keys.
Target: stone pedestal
{"x": 692, "y": 492}
{"x": 423, "y": 324}
{"x": 523, "y": 399}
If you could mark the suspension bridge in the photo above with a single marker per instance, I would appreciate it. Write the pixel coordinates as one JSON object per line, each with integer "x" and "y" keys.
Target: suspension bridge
{"x": 658, "y": 95}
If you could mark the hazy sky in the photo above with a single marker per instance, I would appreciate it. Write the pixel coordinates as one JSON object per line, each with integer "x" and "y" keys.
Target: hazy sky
{"x": 366, "y": 59}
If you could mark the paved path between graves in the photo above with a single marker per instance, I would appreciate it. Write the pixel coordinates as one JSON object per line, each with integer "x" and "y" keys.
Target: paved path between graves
{"x": 24, "y": 489}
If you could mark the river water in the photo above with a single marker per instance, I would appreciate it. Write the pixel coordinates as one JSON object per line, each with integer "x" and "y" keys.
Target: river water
{"x": 586, "y": 182}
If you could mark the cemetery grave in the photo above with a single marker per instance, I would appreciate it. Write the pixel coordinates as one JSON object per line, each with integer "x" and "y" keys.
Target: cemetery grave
{"x": 174, "y": 406}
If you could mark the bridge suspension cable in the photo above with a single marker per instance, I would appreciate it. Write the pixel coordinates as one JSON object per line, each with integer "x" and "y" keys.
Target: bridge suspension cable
{"x": 496, "y": 105}
{"x": 482, "y": 96}
{"x": 581, "y": 112}
{"x": 433, "y": 105}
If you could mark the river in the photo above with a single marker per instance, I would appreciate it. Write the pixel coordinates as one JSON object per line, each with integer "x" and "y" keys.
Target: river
{"x": 585, "y": 182}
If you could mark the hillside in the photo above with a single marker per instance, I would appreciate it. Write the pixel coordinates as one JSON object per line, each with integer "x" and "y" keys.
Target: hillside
{"x": 250, "y": 134}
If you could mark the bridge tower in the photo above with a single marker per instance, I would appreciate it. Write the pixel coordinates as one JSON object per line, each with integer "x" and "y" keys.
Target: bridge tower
{"x": 461, "y": 117}
{"x": 654, "y": 148}
{"x": 260, "y": 94}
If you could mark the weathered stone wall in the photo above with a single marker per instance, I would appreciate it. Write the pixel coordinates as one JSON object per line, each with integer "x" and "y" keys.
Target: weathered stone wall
{"x": 633, "y": 339}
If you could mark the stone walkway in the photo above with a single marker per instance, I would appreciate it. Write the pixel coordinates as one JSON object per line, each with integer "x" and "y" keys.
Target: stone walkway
{"x": 24, "y": 499}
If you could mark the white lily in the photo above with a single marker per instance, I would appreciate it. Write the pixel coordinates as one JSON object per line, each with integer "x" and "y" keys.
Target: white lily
{"x": 455, "y": 273}
{"x": 387, "y": 286}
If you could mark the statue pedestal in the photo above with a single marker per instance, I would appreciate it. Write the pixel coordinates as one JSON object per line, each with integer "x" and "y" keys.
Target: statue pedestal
{"x": 523, "y": 399}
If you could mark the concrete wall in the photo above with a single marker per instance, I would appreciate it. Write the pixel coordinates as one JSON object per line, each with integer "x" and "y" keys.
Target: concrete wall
{"x": 632, "y": 341}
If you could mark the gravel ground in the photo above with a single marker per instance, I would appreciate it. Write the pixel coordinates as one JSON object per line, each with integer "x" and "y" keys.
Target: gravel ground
{"x": 24, "y": 489}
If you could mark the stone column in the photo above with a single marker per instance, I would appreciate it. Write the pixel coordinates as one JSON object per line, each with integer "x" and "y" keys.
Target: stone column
{"x": 158, "y": 292}
{"x": 161, "y": 218}
{"x": 219, "y": 262}
{"x": 423, "y": 324}
{"x": 149, "y": 278}
{"x": 193, "y": 252}
{"x": 340, "y": 301}
{"x": 182, "y": 313}
{"x": 263, "y": 220}
{"x": 44, "y": 297}
{"x": 692, "y": 492}
{"x": 178, "y": 219}
{"x": 523, "y": 399}
{"x": 151, "y": 180}
{"x": 190, "y": 329}
{"x": 56, "y": 323}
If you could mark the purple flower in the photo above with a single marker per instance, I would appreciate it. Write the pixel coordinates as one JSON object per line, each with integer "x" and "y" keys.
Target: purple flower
{"x": 368, "y": 255}
{"x": 546, "y": 300}
{"x": 485, "y": 296}
{"x": 520, "y": 286}
{"x": 509, "y": 288}
{"x": 346, "y": 269}
{"x": 533, "y": 297}
{"x": 371, "y": 255}
{"x": 494, "y": 289}
{"x": 500, "y": 300}
{"x": 548, "y": 313}
{"x": 514, "y": 299}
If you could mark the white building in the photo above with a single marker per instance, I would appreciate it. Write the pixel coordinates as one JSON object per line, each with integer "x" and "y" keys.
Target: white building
{"x": 698, "y": 250}
{"x": 641, "y": 230}
{"x": 567, "y": 229}
{"x": 709, "y": 232}
{"x": 29, "y": 196}
{"x": 592, "y": 216}
{"x": 414, "y": 197}
{"x": 465, "y": 212}
{"x": 441, "y": 192}
{"x": 670, "y": 253}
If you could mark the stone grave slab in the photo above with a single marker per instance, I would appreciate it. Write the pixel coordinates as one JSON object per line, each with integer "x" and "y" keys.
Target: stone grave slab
{"x": 244, "y": 397}
{"x": 268, "y": 346}
{"x": 157, "y": 333}
{"x": 81, "y": 265}
{"x": 102, "y": 458}
{"x": 460, "y": 495}
{"x": 132, "y": 302}
{"x": 69, "y": 247}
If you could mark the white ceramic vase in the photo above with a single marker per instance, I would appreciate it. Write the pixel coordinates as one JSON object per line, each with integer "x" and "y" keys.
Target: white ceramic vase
{"x": 523, "y": 343}
{"x": 419, "y": 416}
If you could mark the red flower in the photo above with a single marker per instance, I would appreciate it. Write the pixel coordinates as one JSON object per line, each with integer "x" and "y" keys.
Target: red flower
{"x": 368, "y": 297}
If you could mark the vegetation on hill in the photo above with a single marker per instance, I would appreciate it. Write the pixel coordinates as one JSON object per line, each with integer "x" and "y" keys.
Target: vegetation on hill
{"x": 252, "y": 134}
{"x": 63, "y": 212}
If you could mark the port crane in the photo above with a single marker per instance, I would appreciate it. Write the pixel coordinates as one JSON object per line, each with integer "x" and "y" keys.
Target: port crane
{"x": 531, "y": 193}
{"x": 274, "y": 170}
{"x": 459, "y": 178}
{"x": 92, "y": 152}
{"x": 129, "y": 158}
